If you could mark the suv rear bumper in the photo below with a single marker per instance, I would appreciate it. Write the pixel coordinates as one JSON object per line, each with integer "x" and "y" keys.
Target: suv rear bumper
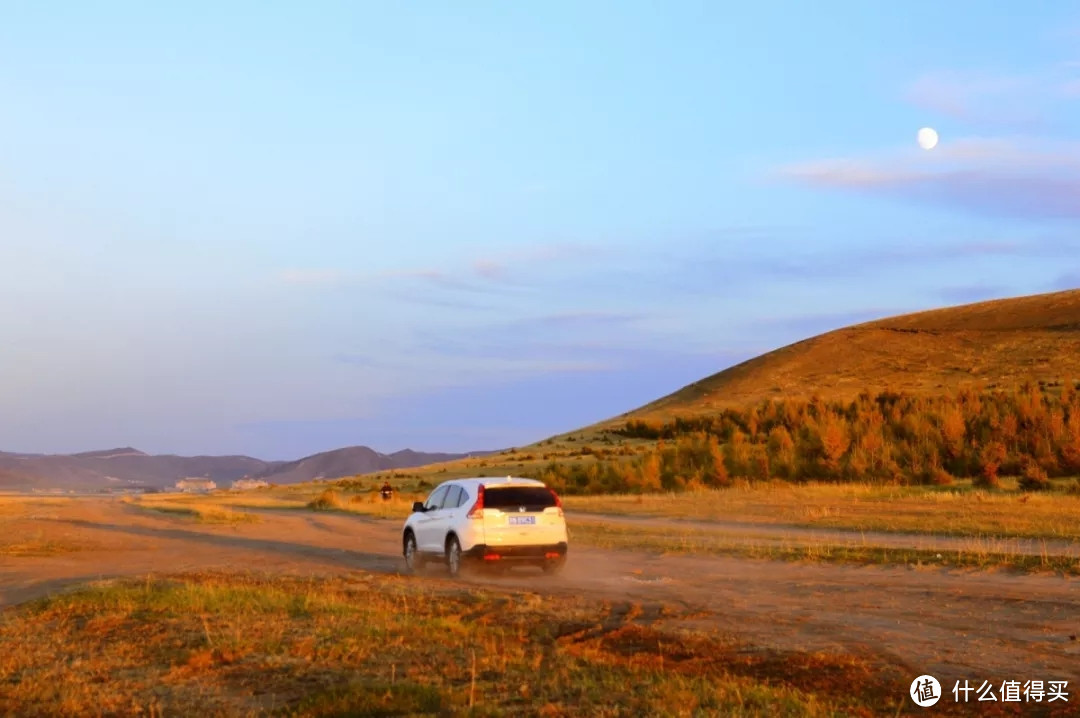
{"x": 541, "y": 552}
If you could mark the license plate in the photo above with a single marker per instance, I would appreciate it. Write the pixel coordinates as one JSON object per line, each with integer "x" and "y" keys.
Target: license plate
{"x": 518, "y": 520}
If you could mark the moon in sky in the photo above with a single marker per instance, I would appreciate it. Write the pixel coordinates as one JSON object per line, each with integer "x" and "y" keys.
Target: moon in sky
{"x": 927, "y": 138}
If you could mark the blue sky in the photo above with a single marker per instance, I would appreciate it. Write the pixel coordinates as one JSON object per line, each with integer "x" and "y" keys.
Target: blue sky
{"x": 280, "y": 228}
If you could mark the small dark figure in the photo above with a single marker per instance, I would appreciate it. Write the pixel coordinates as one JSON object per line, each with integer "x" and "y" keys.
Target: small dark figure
{"x": 387, "y": 490}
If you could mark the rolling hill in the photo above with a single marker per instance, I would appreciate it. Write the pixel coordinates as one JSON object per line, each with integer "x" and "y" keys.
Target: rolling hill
{"x": 351, "y": 461}
{"x": 999, "y": 343}
{"x": 987, "y": 345}
{"x": 130, "y": 468}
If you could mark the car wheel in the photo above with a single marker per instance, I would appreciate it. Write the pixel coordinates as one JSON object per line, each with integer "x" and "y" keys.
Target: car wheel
{"x": 553, "y": 566}
{"x": 413, "y": 560}
{"x": 453, "y": 556}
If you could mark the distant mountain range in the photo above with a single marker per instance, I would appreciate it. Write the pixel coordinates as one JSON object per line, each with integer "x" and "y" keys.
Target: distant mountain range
{"x": 130, "y": 468}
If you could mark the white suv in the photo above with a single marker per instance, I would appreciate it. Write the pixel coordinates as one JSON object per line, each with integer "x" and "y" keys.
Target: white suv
{"x": 497, "y": 522}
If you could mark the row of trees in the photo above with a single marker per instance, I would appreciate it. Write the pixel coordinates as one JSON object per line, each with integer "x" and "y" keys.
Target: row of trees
{"x": 1032, "y": 432}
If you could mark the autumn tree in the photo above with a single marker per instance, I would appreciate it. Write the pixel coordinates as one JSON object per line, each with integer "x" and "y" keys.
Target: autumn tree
{"x": 782, "y": 449}
{"x": 649, "y": 475}
{"x": 716, "y": 474}
{"x": 990, "y": 460}
{"x": 835, "y": 441}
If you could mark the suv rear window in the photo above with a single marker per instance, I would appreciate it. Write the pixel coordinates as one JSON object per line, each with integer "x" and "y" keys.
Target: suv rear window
{"x": 533, "y": 498}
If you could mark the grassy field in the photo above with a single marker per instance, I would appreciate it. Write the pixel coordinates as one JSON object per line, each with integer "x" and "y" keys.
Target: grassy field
{"x": 199, "y": 508}
{"x": 19, "y": 543}
{"x": 687, "y": 541}
{"x": 36, "y": 546}
{"x": 987, "y": 518}
{"x": 958, "y": 510}
{"x": 14, "y": 504}
{"x": 230, "y": 506}
{"x": 217, "y": 644}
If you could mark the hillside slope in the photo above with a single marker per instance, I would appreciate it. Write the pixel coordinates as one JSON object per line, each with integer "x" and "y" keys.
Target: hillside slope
{"x": 999, "y": 343}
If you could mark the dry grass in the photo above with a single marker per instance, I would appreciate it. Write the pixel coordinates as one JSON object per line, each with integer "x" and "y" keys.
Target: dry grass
{"x": 315, "y": 497}
{"x": 955, "y": 511}
{"x": 15, "y": 504}
{"x": 397, "y": 507}
{"x": 977, "y": 555}
{"x": 202, "y": 509}
{"x": 290, "y": 500}
{"x": 326, "y": 501}
{"x": 218, "y": 645}
{"x": 17, "y": 542}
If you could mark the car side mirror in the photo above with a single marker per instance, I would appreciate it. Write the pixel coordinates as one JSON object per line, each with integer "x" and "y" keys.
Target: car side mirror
{"x": 418, "y": 507}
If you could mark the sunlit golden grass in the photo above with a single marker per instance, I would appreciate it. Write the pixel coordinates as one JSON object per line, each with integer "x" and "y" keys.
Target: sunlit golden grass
{"x": 219, "y": 645}
{"x": 369, "y": 503}
{"x": 956, "y": 511}
{"x": 198, "y": 508}
{"x": 979, "y": 554}
{"x": 10, "y": 507}
{"x": 280, "y": 499}
{"x": 397, "y": 507}
{"x": 328, "y": 500}
{"x": 305, "y": 497}
{"x": 16, "y": 504}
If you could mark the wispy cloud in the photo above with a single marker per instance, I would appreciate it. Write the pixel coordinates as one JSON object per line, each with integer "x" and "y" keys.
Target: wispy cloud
{"x": 503, "y": 266}
{"x": 427, "y": 299}
{"x": 979, "y": 97}
{"x": 995, "y": 177}
{"x": 590, "y": 339}
{"x": 581, "y": 319}
{"x": 313, "y": 276}
{"x": 994, "y": 99}
{"x": 495, "y": 273}
{"x": 718, "y": 273}
{"x": 447, "y": 279}
{"x": 489, "y": 269}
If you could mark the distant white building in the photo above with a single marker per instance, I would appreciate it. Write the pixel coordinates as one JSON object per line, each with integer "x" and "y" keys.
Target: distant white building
{"x": 246, "y": 484}
{"x": 193, "y": 485}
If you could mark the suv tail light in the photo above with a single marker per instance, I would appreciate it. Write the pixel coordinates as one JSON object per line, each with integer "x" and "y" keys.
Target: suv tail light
{"x": 477, "y": 510}
{"x": 558, "y": 501}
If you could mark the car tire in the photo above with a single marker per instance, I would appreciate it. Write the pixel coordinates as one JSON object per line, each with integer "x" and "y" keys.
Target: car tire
{"x": 453, "y": 556}
{"x": 414, "y": 562}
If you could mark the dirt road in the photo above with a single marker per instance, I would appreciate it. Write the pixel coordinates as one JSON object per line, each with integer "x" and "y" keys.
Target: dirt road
{"x": 953, "y": 624}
